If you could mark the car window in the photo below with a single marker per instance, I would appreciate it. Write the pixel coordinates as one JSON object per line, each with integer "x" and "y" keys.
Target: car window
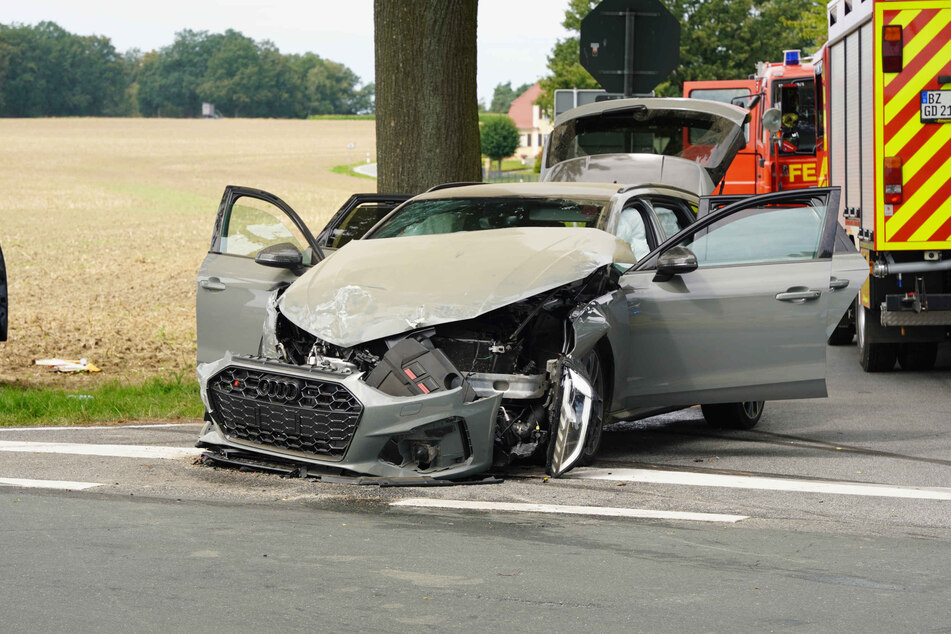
{"x": 631, "y": 229}
{"x": 451, "y": 215}
{"x": 797, "y": 102}
{"x": 252, "y": 224}
{"x": 674, "y": 215}
{"x": 358, "y": 222}
{"x": 646, "y": 132}
{"x": 724, "y": 95}
{"x": 764, "y": 234}
{"x": 668, "y": 219}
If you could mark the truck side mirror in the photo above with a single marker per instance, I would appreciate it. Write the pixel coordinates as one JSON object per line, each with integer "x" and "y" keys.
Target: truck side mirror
{"x": 773, "y": 119}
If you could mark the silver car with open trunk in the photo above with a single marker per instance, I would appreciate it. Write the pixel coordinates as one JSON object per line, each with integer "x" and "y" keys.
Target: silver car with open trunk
{"x": 477, "y": 325}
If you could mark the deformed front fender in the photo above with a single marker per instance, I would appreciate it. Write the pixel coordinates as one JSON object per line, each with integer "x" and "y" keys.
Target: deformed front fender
{"x": 590, "y": 324}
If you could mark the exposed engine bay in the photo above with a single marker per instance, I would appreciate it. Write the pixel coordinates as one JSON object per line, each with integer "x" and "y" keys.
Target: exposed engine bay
{"x": 511, "y": 352}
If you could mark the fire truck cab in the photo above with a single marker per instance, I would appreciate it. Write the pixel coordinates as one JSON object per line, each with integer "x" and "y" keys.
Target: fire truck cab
{"x": 784, "y": 139}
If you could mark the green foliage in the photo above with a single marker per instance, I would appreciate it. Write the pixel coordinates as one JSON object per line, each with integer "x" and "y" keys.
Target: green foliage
{"x": 163, "y": 399}
{"x": 46, "y": 71}
{"x": 246, "y": 78}
{"x": 488, "y": 116}
{"x": 723, "y": 39}
{"x": 504, "y": 95}
{"x": 499, "y": 138}
{"x": 566, "y": 72}
{"x": 332, "y": 88}
{"x": 719, "y": 39}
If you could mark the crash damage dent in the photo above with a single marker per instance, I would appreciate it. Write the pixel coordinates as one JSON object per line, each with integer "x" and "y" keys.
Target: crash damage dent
{"x": 447, "y": 401}
{"x": 576, "y": 406}
{"x": 371, "y": 289}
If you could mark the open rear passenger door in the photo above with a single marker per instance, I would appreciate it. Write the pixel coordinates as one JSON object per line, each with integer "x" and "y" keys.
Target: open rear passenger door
{"x": 356, "y": 217}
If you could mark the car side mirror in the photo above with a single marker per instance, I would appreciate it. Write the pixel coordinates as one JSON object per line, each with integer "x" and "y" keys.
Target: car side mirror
{"x": 675, "y": 261}
{"x": 283, "y": 255}
{"x": 773, "y": 119}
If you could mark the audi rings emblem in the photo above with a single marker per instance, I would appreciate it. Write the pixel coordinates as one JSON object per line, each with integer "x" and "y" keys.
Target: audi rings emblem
{"x": 278, "y": 389}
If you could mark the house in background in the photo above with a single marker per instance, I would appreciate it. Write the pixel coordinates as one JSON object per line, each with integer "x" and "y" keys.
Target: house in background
{"x": 532, "y": 125}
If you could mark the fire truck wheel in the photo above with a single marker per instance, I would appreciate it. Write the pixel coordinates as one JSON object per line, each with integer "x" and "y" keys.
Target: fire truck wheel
{"x": 874, "y": 357}
{"x": 917, "y": 355}
{"x": 844, "y": 330}
{"x": 743, "y": 415}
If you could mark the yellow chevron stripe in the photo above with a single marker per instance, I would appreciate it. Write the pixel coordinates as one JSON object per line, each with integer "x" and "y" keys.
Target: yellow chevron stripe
{"x": 901, "y": 139}
{"x": 911, "y": 168}
{"x": 917, "y": 84}
{"x": 927, "y": 230}
{"x": 929, "y": 149}
{"x": 938, "y": 218}
{"x": 924, "y": 37}
{"x": 903, "y": 19}
{"x": 918, "y": 198}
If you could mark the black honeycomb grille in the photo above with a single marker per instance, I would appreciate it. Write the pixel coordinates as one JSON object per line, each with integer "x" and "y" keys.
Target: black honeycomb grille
{"x": 317, "y": 417}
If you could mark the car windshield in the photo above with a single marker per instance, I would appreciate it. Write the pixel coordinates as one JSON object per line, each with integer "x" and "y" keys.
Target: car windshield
{"x": 698, "y": 136}
{"x": 450, "y": 215}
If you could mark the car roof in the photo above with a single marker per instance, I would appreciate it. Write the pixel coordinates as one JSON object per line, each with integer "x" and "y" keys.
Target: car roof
{"x": 599, "y": 191}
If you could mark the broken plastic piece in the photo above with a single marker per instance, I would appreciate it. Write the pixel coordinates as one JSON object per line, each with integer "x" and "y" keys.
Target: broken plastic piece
{"x": 65, "y": 365}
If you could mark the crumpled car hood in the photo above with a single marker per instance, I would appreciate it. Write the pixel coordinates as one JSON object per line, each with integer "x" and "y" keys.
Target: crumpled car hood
{"x": 378, "y": 288}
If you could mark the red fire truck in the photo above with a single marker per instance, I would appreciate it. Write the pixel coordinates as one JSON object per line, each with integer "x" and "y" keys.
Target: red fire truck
{"x": 784, "y": 147}
{"x": 886, "y": 77}
{"x": 876, "y": 103}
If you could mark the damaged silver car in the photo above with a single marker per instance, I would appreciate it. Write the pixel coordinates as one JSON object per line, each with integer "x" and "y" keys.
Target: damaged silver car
{"x": 475, "y": 325}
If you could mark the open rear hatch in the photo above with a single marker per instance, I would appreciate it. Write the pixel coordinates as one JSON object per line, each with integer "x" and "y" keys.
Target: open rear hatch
{"x": 677, "y": 132}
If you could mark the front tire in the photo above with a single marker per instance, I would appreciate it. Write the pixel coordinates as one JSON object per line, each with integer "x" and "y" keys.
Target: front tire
{"x": 874, "y": 357}
{"x": 743, "y": 415}
{"x": 592, "y": 442}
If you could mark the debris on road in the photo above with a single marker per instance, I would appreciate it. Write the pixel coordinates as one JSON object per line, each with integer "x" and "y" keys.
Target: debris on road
{"x": 68, "y": 366}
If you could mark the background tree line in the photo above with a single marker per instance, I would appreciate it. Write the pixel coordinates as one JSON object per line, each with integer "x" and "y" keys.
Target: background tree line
{"x": 719, "y": 39}
{"x": 46, "y": 71}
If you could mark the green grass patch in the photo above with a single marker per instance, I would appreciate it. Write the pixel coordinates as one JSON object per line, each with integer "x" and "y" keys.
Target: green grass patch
{"x": 515, "y": 165}
{"x": 347, "y": 170}
{"x": 157, "y": 399}
{"x": 342, "y": 117}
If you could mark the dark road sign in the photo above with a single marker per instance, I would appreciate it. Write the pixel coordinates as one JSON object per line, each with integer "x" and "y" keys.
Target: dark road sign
{"x": 630, "y": 46}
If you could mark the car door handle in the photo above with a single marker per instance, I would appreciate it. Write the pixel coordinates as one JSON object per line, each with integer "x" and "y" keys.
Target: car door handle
{"x": 212, "y": 284}
{"x": 799, "y": 297}
{"x": 837, "y": 284}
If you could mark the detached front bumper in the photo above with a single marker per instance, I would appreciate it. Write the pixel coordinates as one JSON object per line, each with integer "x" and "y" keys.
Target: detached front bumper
{"x": 338, "y": 421}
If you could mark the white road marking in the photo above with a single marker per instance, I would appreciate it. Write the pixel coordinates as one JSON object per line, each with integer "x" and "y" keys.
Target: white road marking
{"x": 691, "y": 478}
{"x": 116, "y": 451}
{"x": 65, "y": 485}
{"x": 600, "y": 511}
{"x": 83, "y": 428}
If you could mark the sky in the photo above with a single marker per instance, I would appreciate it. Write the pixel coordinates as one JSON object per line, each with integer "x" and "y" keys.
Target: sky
{"x": 515, "y": 36}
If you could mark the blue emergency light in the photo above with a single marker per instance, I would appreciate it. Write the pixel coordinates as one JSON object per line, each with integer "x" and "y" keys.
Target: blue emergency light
{"x": 791, "y": 58}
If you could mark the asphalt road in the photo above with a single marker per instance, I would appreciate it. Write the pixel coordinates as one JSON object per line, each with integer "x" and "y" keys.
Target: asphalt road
{"x": 833, "y": 514}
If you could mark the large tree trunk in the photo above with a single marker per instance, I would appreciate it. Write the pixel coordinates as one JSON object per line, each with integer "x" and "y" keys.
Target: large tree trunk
{"x": 427, "y": 117}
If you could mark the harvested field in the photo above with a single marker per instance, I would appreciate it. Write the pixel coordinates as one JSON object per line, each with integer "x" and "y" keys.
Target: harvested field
{"x": 104, "y": 223}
